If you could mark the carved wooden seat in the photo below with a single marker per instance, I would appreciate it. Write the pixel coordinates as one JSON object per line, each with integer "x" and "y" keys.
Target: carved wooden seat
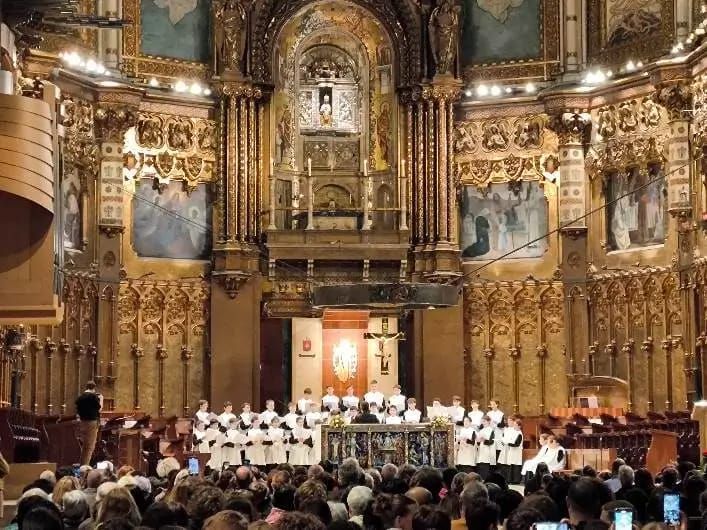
{"x": 19, "y": 436}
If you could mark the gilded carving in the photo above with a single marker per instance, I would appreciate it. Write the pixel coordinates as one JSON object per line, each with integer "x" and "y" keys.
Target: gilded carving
{"x": 444, "y": 36}
{"x": 466, "y": 136}
{"x": 230, "y": 34}
{"x": 111, "y": 122}
{"x": 495, "y": 135}
{"x": 150, "y": 131}
{"x": 80, "y": 149}
{"x": 676, "y": 97}
{"x": 180, "y": 134}
{"x": 571, "y": 127}
{"x": 529, "y": 132}
{"x": 621, "y": 153}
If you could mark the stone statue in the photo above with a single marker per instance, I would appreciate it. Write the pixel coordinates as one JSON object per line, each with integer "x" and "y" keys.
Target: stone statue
{"x": 444, "y": 35}
{"x": 325, "y": 112}
{"x": 230, "y": 33}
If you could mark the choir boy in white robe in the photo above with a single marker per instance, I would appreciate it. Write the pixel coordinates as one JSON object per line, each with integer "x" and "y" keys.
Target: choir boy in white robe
{"x": 276, "y": 452}
{"x": 350, "y": 414}
{"x": 498, "y": 421}
{"x": 203, "y": 415}
{"x": 397, "y": 399}
{"x": 291, "y": 416}
{"x": 305, "y": 402}
{"x": 231, "y": 443}
{"x": 466, "y": 445}
{"x": 300, "y": 444}
{"x": 530, "y": 465}
{"x": 245, "y": 417}
{"x": 225, "y": 417}
{"x": 412, "y": 415}
{"x": 374, "y": 395}
{"x": 329, "y": 400}
{"x": 201, "y": 444}
{"x": 436, "y": 410}
{"x": 556, "y": 456}
{"x": 255, "y": 450}
{"x": 378, "y": 414}
{"x": 393, "y": 418}
{"x": 312, "y": 417}
{"x": 268, "y": 414}
{"x": 486, "y": 443}
{"x": 350, "y": 401}
{"x": 212, "y": 433}
{"x": 511, "y": 458}
{"x": 476, "y": 415}
{"x": 456, "y": 411}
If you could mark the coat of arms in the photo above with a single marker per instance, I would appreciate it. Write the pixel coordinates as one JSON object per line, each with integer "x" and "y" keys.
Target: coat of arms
{"x": 306, "y": 344}
{"x": 345, "y": 360}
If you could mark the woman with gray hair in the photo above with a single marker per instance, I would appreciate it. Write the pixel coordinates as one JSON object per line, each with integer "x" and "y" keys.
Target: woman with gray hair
{"x": 75, "y": 510}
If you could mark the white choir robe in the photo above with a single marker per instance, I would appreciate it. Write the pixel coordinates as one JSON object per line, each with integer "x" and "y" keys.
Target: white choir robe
{"x": 556, "y": 458}
{"x": 315, "y": 453}
{"x": 530, "y": 465}
{"x": 374, "y": 397}
{"x": 232, "y": 455}
{"x": 466, "y": 452}
{"x": 276, "y": 453}
{"x": 496, "y": 420}
{"x": 212, "y": 436}
{"x": 350, "y": 402}
{"x": 486, "y": 453}
{"x": 256, "y": 453}
{"x": 456, "y": 414}
{"x": 380, "y": 416}
{"x": 437, "y": 412}
{"x": 330, "y": 402}
{"x": 312, "y": 418}
{"x": 299, "y": 451}
{"x": 290, "y": 419}
{"x": 412, "y": 416}
{"x": 246, "y": 418}
{"x": 202, "y": 444}
{"x": 225, "y": 418}
{"x": 393, "y": 420}
{"x": 511, "y": 456}
{"x": 303, "y": 405}
{"x": 398, "y": 401}
{"x": 267, "y": 416}
{"x": 476, "y": 416}
{"x": 204, "y": 417}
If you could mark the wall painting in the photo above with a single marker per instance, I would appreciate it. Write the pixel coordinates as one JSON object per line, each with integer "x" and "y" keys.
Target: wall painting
{"x": 176, "y": 29}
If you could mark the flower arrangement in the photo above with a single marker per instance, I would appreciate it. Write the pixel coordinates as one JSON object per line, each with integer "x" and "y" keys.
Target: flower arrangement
{"x": 337, "y": 422}
{"x": 440, "y": 422}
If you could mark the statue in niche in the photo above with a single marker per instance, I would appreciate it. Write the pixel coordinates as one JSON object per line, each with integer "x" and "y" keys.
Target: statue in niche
{"x": 384, "y": 131}
{"x": 325, "y": 112}
{"x": 444, "y": 34}
{"x": 345, "y": 110}
{"x": 284, "y": 134}
{"x": 230, "y": 25}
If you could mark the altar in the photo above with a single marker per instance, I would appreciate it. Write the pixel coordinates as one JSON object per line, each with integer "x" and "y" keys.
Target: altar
{"x": 376, "y": 445}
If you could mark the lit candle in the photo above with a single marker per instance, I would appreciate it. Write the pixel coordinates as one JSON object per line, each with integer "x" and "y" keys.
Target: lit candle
{"x": 402, "y": 167}
{"x": 309, "y": 167}
{"x": 365, "y": 168}
{"x": 272, "y": 166}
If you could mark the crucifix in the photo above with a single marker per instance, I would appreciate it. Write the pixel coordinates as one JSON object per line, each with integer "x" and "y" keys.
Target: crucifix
{"x": 382, "y": 338}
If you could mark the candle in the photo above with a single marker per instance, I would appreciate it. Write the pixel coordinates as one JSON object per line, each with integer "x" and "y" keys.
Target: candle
{"x": 365, "y": 168}
{"x": 272, "y": 166}
{"x": 402, "y": 167}
{"x": 309, "y": 166}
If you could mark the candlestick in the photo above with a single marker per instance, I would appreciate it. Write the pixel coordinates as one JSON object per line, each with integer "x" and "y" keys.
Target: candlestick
{"x": 365, "y": 168}
{"x": 309, "y": 167}
{"x": 402, "y": 167}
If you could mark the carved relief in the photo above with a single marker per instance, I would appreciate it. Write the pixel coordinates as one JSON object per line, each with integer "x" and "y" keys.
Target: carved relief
{"x": 495, "y": 136}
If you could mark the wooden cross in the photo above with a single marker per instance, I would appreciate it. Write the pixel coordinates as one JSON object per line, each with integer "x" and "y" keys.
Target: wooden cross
{"x": 382, "y": 338}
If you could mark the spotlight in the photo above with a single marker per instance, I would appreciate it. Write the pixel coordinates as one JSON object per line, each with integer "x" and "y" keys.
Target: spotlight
{"x": 207, "y": 91}
{"x": 482, "y": 90}
{"x": 630, "y": 66}
{"x": 180, "y": 86}
{"x": 195, "y": 89}
{"x": 529, "y": 88}
{"x": 509, "y": 90}
{"x": 468, "y": 92}
{"x": 495, "y": 90}
{"x": 154, "y": 83}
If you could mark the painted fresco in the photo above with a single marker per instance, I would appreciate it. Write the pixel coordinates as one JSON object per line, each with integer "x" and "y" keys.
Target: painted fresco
{"x": 503, "y": 217}
{"x": 501, "y": 30}
{"x": 176, "y": 29}
{"x": 630, "y": 20}
{"x": 171, "y": 223}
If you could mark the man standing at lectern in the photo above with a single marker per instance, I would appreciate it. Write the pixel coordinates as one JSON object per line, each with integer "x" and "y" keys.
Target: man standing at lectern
{"x": 88, "y": 409}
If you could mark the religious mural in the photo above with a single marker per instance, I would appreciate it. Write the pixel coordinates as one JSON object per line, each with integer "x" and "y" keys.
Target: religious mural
{"x": 176, "y": 29}
{"x": 503, "y": 217}
{"x": 628, "y": 20}
{"x": 70, "y": 189}
{"x": 637, "y": 209}
{"x": 171, "y": 223}
{"x": 501, "y": 30}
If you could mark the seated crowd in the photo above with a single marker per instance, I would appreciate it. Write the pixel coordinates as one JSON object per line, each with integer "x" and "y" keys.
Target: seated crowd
{"x": 350, "y": 497}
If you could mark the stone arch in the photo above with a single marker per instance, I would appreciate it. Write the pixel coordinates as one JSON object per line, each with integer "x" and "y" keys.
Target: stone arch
{"x": 400, "y": 19}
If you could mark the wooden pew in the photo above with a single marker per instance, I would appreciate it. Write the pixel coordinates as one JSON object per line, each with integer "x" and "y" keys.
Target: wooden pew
{"x": 20, "y": 439}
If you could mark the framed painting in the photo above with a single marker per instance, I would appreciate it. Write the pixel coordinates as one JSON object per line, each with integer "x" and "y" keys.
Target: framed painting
{"x": 168, "y": 38}
{"x": 171, "y": 223}
{"x": 502, "y": 217}
{"x": 504, "y": 39}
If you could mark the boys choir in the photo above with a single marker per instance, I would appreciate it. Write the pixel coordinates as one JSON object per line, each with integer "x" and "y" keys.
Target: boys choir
{"x": 483, "y": 440}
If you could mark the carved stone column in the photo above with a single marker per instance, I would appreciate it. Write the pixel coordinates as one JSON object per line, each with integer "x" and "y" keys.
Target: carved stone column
{"x": 612, "y": 351}
{"x": 115, "y": 114}
{"x": 629, "y": 349}
{"x": 574, "y": 53}
{"x": 514, "y": 353}
{"x": 64, "y": 350}
{"x": 109, "y": 39}
{"x": 79, "y": 352}
{"x": 542, "y": 358}
{"x": 161, "y": 355}
{"x": 667, "y": 347}
{"x": 489, "y": 353}
{"x": 429, "y": 122}
{"x": 138, "y": 353}
{"x": 50, "y": 349}
{"x": 187, "y": 356}
{"x": 647, "y": 349}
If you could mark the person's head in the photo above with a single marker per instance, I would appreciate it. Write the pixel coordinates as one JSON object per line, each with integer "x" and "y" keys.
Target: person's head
{"x": 456, "y": 401}
{"x": 486, "y": 421}
{"x": 626, "y": 476}
{"x": 420, "y": 495}
{"x": 542, "y": 503}
{"x": 162, "y": 514}
{"x": 284, "y": 497}
{"x": 474, "y": 404}
{"x": 670, "y": 478}
{"x": 374, "y": 386}
{"x": 118, "y": 504}
{"x": 616, "y": 465}
{"x": 412, "y": 403}
{"x": 309, "y": 489}
{"x": 307, "y": 393}
{"x": 431, "y": 517}
{"x": 330, "y": 390}
{"x": 244, "y": 476}
{"x": 300, "y": 521}
{"x": 228, "y": 407}
{"x": 508, "y": 500}
{"x": 203, "y": 405}
{"x": 436, "y": 402}
{"x": 467, "y": 421}
{"x": 292, "y": 407}
{"x": 589, "y": 471}
{"x": 241, "y": 503}
{"x": 317, "y": 507}
{"x": 373, "y": 407}
{"x": 300, "y": 421}
{"x": 246, "y": 407}
{"x": 643, "y": 479}
{"x": 43, "y": 516}
{"x": 693, "y": 486}
{"x": 226, "y": 520}
{"x": 358, "y": 499}
{"x": 543, "y": 438}
{"x": 392, "y": 410}
{"x": 205, "y": 502}
{"x": 474, "y": 492}
{"x": 64, "y": 485}
{"x": 396, "y": 390}
{"x": 388, "y": 472}
{"x": 49, "y": 476}
{"x": 270, "y": 404}
{"x": 390, "y": 511}
{"x": 350, "y": 390}
{"x": 75, "y": 505}
{"x": 585, "y": 498}
{"x": 482, "y": 515}
{"x": 365, "y": 409}
{"x": 493, "y": 404}
{"x": 91, "y": 386}
{"x": 429, "y": 478}
{"x": 523, "y": 519}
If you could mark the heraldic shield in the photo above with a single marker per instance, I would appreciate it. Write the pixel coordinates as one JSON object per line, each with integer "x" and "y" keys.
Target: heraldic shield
{"x": 345, "y": 360}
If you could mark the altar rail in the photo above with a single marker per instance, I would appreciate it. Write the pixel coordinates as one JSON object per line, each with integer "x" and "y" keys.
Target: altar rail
{"x": 376, "y": 445}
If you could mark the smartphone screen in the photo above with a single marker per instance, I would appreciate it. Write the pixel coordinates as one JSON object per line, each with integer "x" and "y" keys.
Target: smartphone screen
{"x": 671, "y": 508}
{"x": 623, "y": 519}
{"x": 193, "y": 465}
{"x": 550, "y": 526}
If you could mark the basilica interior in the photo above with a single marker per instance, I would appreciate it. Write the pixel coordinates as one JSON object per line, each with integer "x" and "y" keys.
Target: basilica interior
{"x": 238, "y": 200}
